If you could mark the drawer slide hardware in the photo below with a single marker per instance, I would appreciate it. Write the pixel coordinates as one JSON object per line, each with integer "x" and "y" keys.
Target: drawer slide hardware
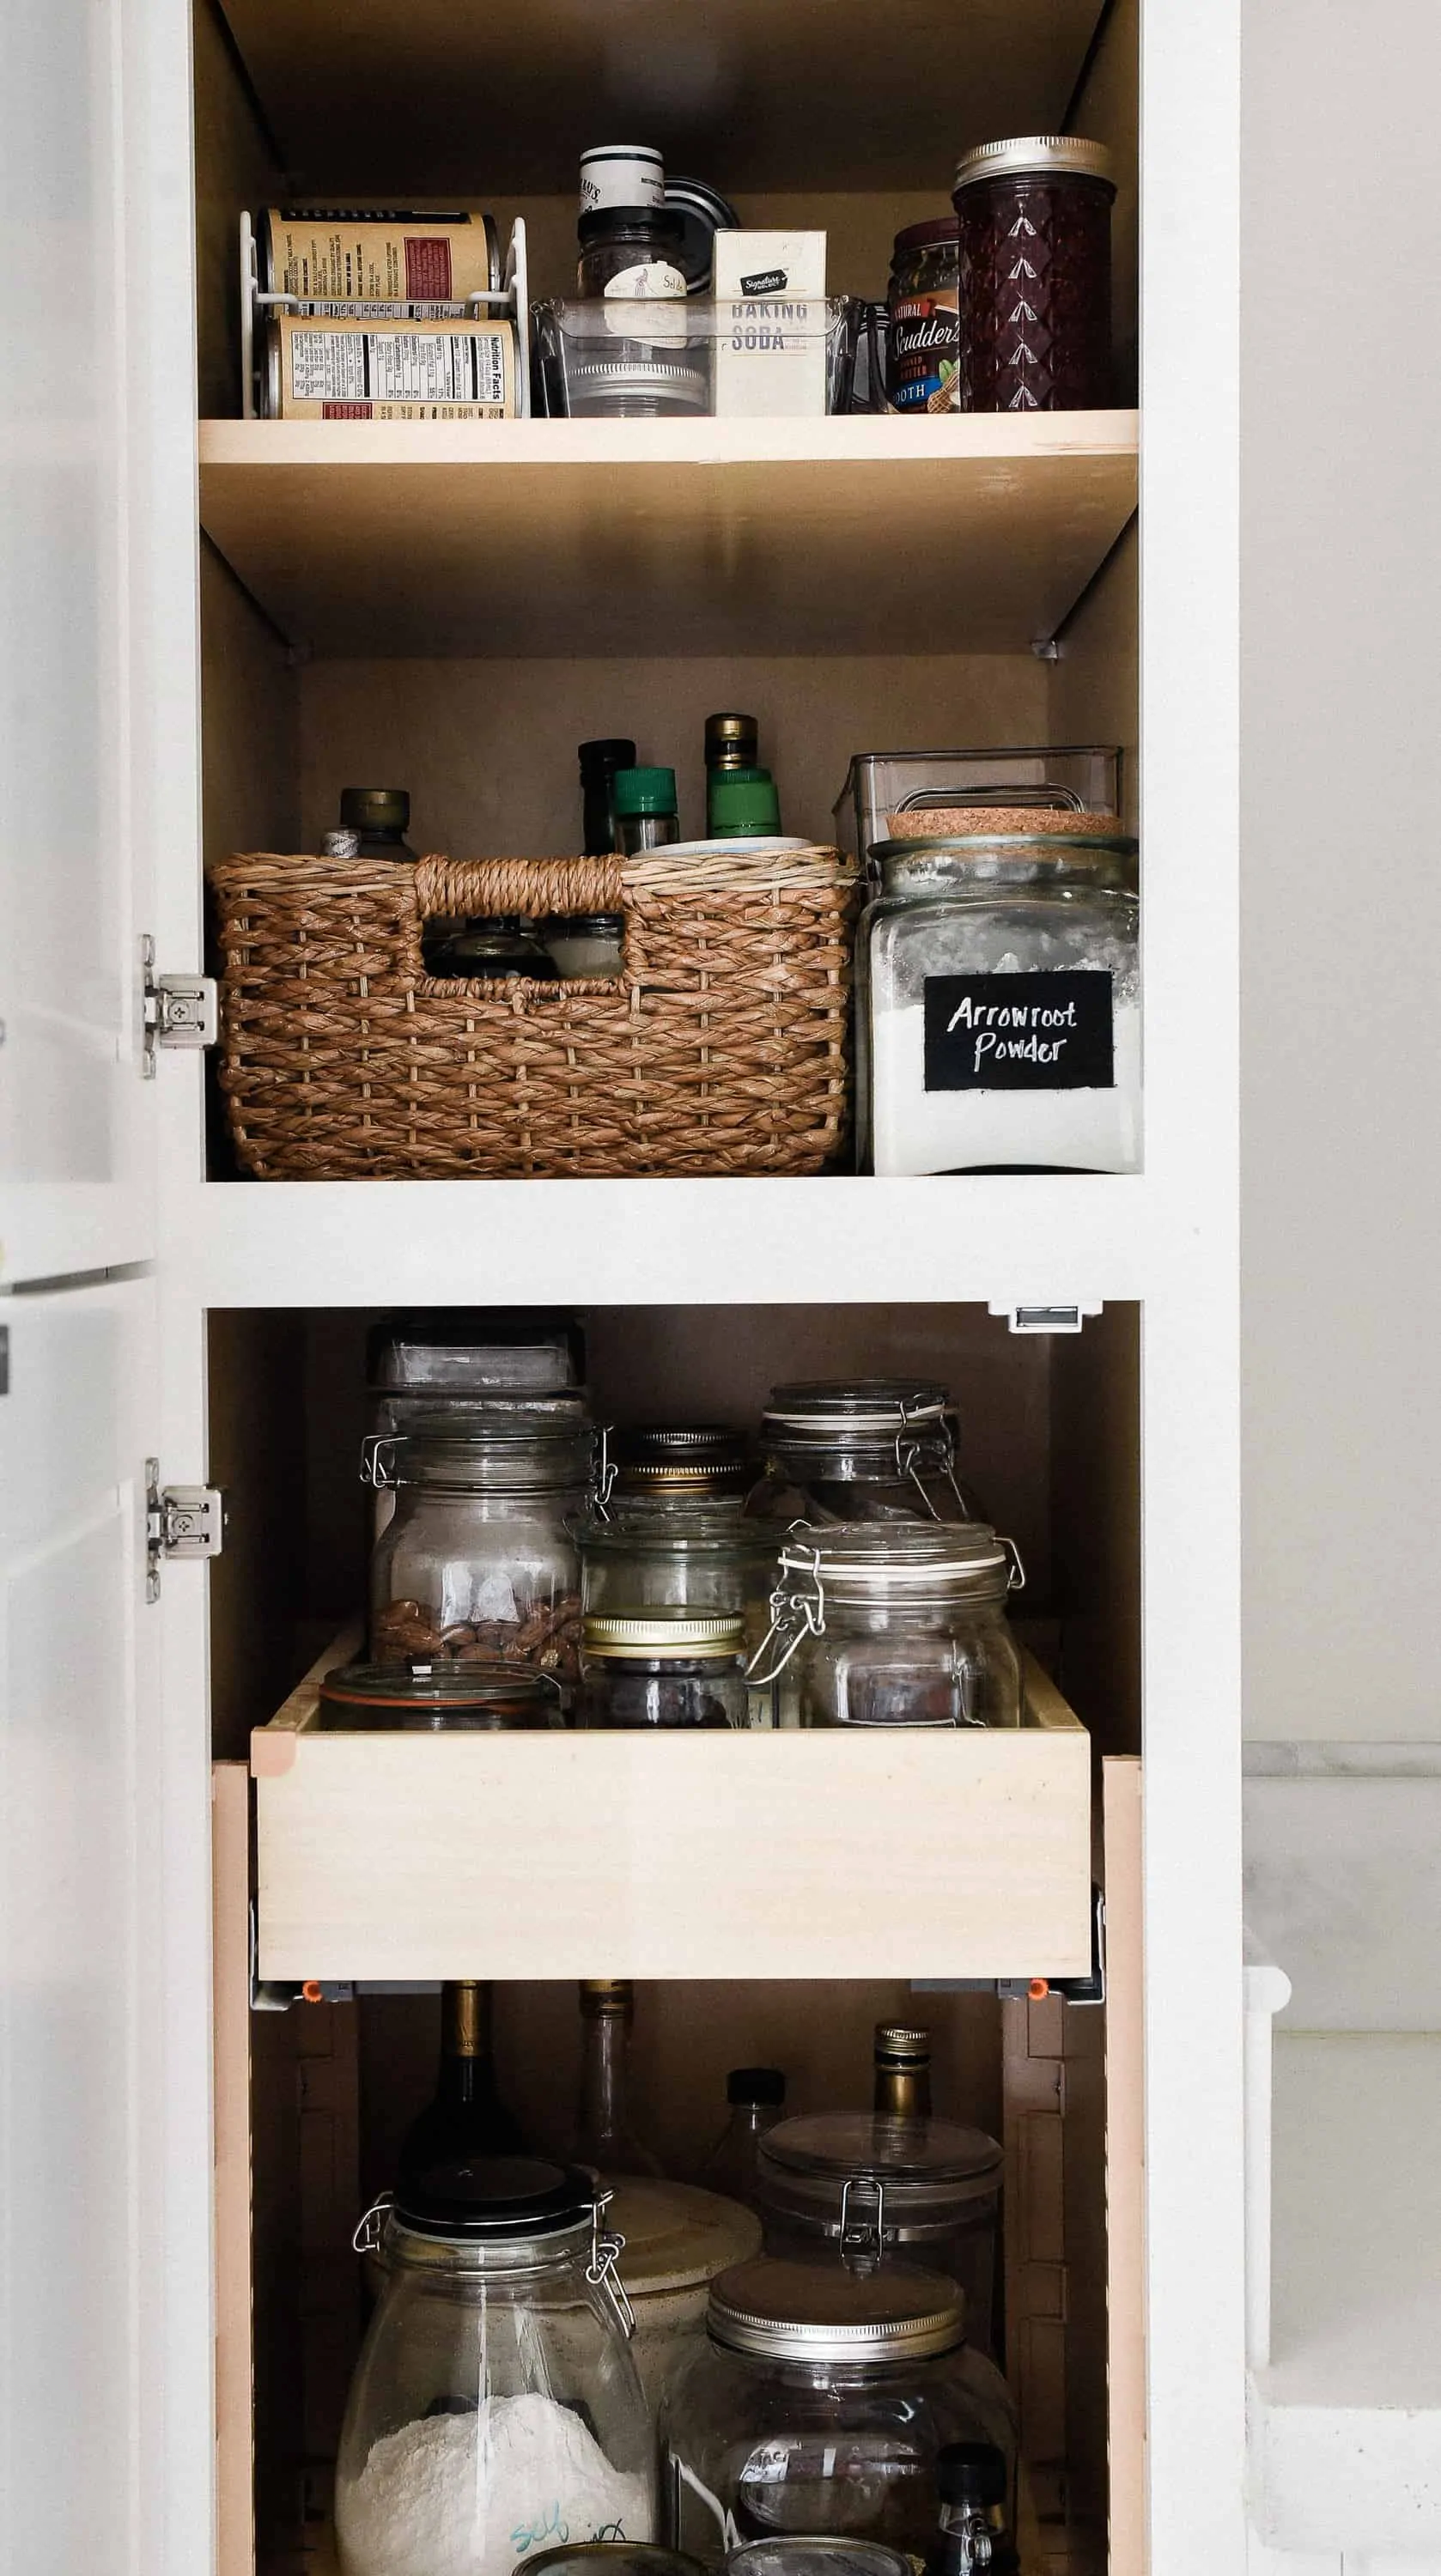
{"x": 1044, "y": 1319}
{"x": 180, "y": 1010}
{"x": 182, "y": 1522}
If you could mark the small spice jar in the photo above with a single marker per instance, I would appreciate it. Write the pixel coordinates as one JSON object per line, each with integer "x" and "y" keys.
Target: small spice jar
{"x": 998, "y": 1005}
{"x": 896, "y": 1624}
{"x": 647, "y": 813}
{"x": 585, "y": 943}
{"x": 1035, "y": 274}
{"x": 923, "y": 341}
{"x": 381, "y": 818}
{"x": 665, "y": 1670}
{"x": 499, "y": 946}
{"x": 819, "y": 2404}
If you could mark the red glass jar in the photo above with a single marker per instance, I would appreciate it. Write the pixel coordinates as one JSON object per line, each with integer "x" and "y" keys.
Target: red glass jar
{"x": 1035, "y": 274}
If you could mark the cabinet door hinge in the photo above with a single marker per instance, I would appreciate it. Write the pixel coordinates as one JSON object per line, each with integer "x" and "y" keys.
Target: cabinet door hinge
{"x": 181, "y": 1521}
{"x": 180, "y": 1010}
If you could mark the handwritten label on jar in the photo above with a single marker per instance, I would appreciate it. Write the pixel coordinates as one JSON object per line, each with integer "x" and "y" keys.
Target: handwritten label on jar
{"x": 1039, "y": 1032}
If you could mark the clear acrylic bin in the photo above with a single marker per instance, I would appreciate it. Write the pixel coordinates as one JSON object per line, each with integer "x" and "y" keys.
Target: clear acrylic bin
{"x": 882, "y": 783}
{"x": 607, "y": 358}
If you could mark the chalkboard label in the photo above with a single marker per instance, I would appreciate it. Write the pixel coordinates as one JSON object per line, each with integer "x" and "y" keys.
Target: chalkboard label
{"x": 1044, "y": 1032}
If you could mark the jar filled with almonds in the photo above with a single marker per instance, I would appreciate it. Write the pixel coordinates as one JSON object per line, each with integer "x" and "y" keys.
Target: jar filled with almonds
{"x": 478, "y": 1559}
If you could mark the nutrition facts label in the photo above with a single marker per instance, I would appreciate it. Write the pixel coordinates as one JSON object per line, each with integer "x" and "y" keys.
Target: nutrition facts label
{"x": 398, "y": 366}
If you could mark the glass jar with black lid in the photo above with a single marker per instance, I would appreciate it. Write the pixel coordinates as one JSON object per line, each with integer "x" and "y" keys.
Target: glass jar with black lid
{"x": 861, "y": 1449}
{"x": 495, "y": 2400}
{"x": 820, "y": 2404}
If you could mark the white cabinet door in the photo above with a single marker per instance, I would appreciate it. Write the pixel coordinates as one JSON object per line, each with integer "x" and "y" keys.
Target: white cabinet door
{"x": 96, "y": 638}
{"x": 80, "y": 2231}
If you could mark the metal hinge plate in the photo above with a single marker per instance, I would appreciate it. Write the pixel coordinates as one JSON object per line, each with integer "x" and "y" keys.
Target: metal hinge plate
{"x": 1044, "y": 1319}
{"x": 181, "y": 1522}
{"x": 180, "y": 1010}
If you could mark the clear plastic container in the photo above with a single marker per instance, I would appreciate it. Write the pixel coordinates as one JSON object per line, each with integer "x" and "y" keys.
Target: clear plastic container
{"x": 819, "y": 2404}
{"x": 612, "y": 359}
{"x": 896, "y": 1624}
{"x": 495, "y": 2404}
{"x": 479, "y": 1558}
{"x": 871, "y": 2191}
{"x": 882, "y": 783}
{"x": 998, "y": 1007}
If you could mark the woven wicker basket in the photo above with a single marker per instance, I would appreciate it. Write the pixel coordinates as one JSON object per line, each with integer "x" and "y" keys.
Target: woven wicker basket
{"x": 724, "y": 1048}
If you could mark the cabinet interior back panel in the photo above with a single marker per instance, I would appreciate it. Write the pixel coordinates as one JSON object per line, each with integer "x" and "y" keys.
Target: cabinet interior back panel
{"x": 743, "y": 93}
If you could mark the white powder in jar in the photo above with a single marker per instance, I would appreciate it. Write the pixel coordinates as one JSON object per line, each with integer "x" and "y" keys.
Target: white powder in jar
{"x": 474, "y": 2494}
{"x": 915, "y": 1130}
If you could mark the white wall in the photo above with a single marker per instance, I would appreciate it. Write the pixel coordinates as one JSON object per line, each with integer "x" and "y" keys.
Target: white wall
{"x": 1341, "y": 922}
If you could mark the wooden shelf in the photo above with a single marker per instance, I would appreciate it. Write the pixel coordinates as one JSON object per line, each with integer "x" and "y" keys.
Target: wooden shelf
{"x": 561, "y": 538}
{"x": 430, "y": 97}
{"x": 408, "y": 1855}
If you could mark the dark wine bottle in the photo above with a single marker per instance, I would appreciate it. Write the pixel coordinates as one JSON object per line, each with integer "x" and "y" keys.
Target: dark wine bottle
{"x": 466, "y": 2116}
{"x": 903, "y": 2073}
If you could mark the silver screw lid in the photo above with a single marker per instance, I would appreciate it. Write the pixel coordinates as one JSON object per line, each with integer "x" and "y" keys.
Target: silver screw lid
{"x": 1036, "y": 155}
{"x": 782, "y": 2311}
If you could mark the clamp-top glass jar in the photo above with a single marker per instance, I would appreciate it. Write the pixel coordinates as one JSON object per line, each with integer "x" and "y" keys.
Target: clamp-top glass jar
{"x": 479, "y": 1558}
{"x": 820, "y": 2403}
{"x": 669, "y": 1532}
{"x": 495, "y": 2405}
{"x": 864, "y": 1449}
{"x": 871, "y": 2191}
{"x": 891, "y": 1624}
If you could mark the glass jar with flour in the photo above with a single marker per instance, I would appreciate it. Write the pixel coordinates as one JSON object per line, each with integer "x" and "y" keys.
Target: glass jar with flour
{"x": 999, "y": 1006}
{"x": 495, "y": 2408}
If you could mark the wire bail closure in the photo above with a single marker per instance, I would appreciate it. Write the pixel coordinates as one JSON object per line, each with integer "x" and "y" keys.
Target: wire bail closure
{"x": 863, "y": 2235}
{"x": 377, "y": 1460}
{"x": 794, "y": 1617}
{"x": 605, "y": 2253}
{"x": 368, "y": 2235}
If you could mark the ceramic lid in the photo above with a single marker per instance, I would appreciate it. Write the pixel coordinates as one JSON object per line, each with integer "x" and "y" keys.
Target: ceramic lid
{"x": 677, "y": 2238}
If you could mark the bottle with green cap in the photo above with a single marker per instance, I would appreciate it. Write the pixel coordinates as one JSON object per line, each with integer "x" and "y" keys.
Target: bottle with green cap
{"x": 743, "y": 804}
{"x": 646, "y": 812}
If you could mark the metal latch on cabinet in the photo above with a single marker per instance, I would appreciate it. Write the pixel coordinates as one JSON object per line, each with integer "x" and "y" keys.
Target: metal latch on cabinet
{"x": 1089, "y": 1989}
{"x": 181, "y": 1522}
{"x": 1044, "y": 1319}
{"x": 180, "y": 1010}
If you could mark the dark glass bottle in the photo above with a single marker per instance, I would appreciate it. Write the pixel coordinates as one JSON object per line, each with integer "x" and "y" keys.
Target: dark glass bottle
{"x": 466, "y": 2116}
{"x": 599, "y": 762}
{"x": 903, "y": 2072}
{"x": 603, "y": 2135}
{"x": 381, "y": 815}
{"x": 757, "y": 2098}
{"x": 972, "y": 2484}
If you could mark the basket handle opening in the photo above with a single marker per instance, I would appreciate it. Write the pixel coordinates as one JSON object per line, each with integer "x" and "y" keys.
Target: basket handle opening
{"x": 473, "y": 889}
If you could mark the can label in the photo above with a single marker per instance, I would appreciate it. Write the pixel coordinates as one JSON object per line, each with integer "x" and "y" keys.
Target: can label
{"x": 342, "y": 370}
{"x": 339, "y": 264}
{"x": 620, "y": 178}
{"x": 925, "y": 348}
